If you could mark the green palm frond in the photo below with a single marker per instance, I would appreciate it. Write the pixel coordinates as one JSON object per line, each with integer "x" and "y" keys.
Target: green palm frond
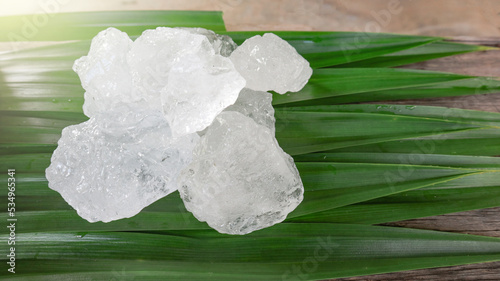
{"x": 361, "y": 164}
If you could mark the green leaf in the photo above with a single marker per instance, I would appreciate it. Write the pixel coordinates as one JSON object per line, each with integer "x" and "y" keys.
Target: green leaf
{"x": 458, "y": 161}
{"x": 171, "y": 213}
{"x": 21, "y": 148}
{"x": 303, "y": 130}
{"x": 85, "y": 25}
{"x": 309, "y": 251}
{"x": 299, "y": 129}
{"x": 480, "y": 190}
{"x": 425, "y": 52}
{"x": 320, "y": 48}
{"x": 49, "y": 84}
{"x": 328, "y": 185}
{"x": 300, "y": 132}
{"x": 470, "y": 86}
{"x": 328, "y": 83}
{"x": 52, "y": 88}
{"x": 411, "y": 205}
{"x": 318, "y": 201}
{"x": 430, "y": 112}
{"x": 40, "y": 95}
{"x": 378, "y": 174}
{"x": 57, "y": 55}
{"x": 482, "y": 142}
{"x": 323, "y": 49}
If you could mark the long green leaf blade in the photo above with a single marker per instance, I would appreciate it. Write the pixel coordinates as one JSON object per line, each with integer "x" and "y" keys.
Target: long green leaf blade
{"x": 319, "y": 48}
{"x": 328, "y": 186}
{"x": 425, "y": 52}
{"x": 274, "y": 253}
{"x": 329, "y": 83}
{"x": 471, "y": 86}
{"x": 480, "y": 143}
{"x": 309, "y": 129}
{"x": 323, "y": 49}
{"x": 58, "y": 89}
{"x": 480, "y": 190}
{"x": 301, "y": 132}
{"x": 411, "y": 205}
{"x": 459, "y": 161}
{"x": 40, "y": 95}
{"x": 85, "y": 25}
{"x": 430, "y": 112}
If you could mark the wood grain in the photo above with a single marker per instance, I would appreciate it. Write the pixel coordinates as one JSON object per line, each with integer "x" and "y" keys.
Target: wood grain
{"x": 479, "y": 222}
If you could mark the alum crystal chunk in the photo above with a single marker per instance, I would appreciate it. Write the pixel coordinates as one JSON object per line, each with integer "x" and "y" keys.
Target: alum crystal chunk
{"x": 198, "y": 88}
{"x": 104, "y": 72}
{"x": 223, "y": 45}
{"x": 182, "y": 72}
{"x": 153, "y": 54}
{"x": 117, "y": 70}
{"x": 113, "y": 165}
{"x": 240, "y": 180}
{"x": 269, "y": 63}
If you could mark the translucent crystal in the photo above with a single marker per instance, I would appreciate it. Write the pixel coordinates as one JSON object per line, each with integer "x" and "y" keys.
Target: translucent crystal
{"x": 240, "y": 180}
{"x": 184, "y": 65}
{"x": 199, "y": 87}
{"x": 256, "y": 105}
{"x": 115, "y": 164}
{"x": 117, "y": 70}
{"x": 223, "y": 45}
{"x": 269, "y": 63}
{"x": 153, "y": 54}
{"x": 104, "y": 72}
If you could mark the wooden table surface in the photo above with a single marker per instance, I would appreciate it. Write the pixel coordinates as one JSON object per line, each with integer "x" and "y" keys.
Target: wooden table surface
{"x": 480, "y": 222}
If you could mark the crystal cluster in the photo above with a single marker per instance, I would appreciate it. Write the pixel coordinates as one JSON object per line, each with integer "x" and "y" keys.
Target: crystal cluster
{"x": 186, "y": 109}
{"x": 183, "y": 72}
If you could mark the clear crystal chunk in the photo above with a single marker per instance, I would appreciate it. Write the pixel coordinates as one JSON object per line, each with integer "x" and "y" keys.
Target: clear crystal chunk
{"x": 240, "y": 180}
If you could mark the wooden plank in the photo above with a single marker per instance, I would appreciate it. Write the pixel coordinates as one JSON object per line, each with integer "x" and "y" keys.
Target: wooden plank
{"x": 473, "y": 272}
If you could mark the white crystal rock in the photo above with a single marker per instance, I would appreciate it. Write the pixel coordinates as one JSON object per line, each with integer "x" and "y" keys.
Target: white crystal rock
{"x": 153, "y": 54}
{"x": 256, "y": 105}
{"x": 199, "y": 87}
{"x": 182, "y": 70}
{"x": 104, "y": 72}
{"x": 117, "y": 70}
{"x": 115, "y": 164}
{"x": 240, "y": 180}
{"x": 269, "y": 63}
{"x": 222, "y": 44}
